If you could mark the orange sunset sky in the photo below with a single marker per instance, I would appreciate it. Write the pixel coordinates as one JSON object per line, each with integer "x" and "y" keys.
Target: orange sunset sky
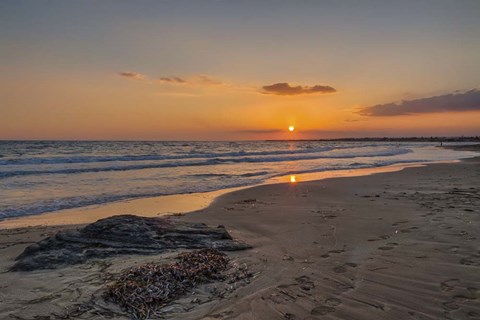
{"x": 218, "y": 70}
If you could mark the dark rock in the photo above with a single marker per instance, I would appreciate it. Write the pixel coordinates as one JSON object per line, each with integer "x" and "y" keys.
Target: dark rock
{"x": 125, "y": 234}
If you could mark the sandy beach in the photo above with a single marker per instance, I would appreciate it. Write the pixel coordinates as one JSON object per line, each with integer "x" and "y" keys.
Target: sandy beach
{"x": 397, "y": 245}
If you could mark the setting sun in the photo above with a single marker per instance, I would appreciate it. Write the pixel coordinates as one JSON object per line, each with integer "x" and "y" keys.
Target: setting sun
{"x": 291, "y": 128}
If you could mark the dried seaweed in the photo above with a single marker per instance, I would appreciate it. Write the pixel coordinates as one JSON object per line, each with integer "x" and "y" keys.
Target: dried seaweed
{"x": 143, "y": 290}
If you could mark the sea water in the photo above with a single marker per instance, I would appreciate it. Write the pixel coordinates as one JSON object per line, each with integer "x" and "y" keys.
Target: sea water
{"x": 45, "y": 176}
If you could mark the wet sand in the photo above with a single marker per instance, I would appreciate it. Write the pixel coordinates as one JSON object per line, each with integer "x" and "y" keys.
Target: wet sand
{"x": 397, "y": 245}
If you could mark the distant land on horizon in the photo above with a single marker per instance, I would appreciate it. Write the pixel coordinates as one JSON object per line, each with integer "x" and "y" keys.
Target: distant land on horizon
{"x": 379, "y": 139}
{"x": 398, "y": 139}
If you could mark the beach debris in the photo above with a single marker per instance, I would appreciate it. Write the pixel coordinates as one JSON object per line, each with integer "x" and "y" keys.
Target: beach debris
{"x": 143, "y": 290}
{"x": 247, "y": 201}
{"x": 123, "y": 234}
{"x": 287, "y": 257}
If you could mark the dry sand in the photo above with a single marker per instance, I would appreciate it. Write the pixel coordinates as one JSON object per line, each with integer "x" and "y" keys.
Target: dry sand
{"x": 399, "y": 245}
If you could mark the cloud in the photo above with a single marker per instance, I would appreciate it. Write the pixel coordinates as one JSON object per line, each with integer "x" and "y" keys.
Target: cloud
{"x": 132, "y": 75}
{"x": 207, "y": 80}
{"x": 466, "y": 101}
{"x": 198, "y": 80}
{"x": 172, "y": 80}
{"x": 284, "y": 89}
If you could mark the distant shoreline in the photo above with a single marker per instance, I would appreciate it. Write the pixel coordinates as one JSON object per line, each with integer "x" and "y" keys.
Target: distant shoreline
{"x": 373, "y": 139}
{"x": 391, "y": 139}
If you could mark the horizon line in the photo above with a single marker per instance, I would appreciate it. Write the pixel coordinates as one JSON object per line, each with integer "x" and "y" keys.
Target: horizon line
{"x": 391, "y": 138}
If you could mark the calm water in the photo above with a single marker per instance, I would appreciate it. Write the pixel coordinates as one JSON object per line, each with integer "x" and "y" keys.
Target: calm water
{"x": 43, "y": 176}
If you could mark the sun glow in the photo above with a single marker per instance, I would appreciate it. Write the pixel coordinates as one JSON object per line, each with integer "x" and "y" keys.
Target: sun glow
{"x": 291, "y": 128}
{"x": 293, "y": 179}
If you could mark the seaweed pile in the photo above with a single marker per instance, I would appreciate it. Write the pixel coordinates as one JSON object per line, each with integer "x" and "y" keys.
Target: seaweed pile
{"x": 143, "y": 290}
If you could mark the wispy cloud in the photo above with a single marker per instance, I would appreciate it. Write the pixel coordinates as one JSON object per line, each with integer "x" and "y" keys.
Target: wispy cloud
{"x": 285, "y": 89}
{"x": 466, "y": 101}
{"x": 193, "y": 80}
{"x": 172, "y": 80}
{"x": 207, "y": 80}
{"x": 132, "y": 75}
{"x": 197, "y": 80}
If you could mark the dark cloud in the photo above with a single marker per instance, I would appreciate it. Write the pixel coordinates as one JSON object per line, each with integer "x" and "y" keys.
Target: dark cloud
{"x": 132, "y": 75}
{"x": 467, "y": 101}
{"x": 284, "y": 89}
{"x": 172, "y": 80}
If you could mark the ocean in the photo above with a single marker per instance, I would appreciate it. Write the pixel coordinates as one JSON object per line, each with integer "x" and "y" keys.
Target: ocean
{"x": 45, "y": 176}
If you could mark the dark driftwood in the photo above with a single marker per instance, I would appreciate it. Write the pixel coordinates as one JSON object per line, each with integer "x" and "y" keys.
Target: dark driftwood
{"x": 125, "y": 234}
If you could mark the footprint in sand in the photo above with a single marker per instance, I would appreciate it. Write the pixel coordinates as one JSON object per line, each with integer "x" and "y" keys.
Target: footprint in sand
{"x": 322, "y": 310}
{"x": 333, "y": 302}
{"x": 329, "y": 307}
{"x": 344, "y": 268}
{"x": 327, "y": 216}
{"x": 473, "y": 260}
{"x": 388, "y": 246}
{"x": 340, "y": 269}
{"x": 453, "y": 249}
{"x": 450, "y": 306}
{"x": 453, "y": 304}
{"x": 382, "y": 237}
{"x": 449, "y": 284}
{"x": 345, "y": 286}
{"x": 305, "y": 283}
{"x": 338, "y": 251}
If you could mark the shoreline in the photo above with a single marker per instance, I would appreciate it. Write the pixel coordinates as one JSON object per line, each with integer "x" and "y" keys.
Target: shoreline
{"x": 396, "y": 245}
{"x": 180, "y": 204}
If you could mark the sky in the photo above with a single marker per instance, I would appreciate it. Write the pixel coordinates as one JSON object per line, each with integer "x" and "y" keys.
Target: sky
{"x": 238, "y": 70}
